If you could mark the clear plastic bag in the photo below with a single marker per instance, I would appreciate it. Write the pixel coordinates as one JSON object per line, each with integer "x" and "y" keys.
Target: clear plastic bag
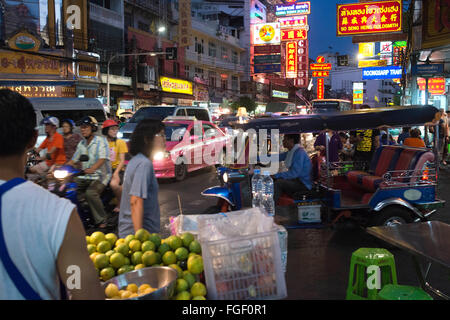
{"x": 234, "y": 224}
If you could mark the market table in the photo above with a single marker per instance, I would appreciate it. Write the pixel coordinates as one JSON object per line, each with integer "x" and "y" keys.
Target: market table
{"x": 427, "y": 240}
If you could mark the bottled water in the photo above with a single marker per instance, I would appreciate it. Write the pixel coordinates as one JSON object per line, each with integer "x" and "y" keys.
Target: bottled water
{"x": 256, "y": 188}
{"x": 267, "y": 194}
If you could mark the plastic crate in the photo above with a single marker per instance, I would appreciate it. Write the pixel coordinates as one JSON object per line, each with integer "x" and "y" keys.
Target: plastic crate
{"x": 244, "y": 268}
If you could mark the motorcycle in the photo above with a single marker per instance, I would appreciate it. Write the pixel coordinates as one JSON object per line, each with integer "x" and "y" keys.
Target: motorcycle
{"x": 62, "y": 183}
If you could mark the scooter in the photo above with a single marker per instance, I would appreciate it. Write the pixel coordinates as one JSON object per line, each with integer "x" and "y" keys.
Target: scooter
{"x": 62, "y": 184}
{"x": 235, "y": 193}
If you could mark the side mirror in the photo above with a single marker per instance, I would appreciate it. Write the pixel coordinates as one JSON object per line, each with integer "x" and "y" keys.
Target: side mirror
{"x": 84, "y": 158}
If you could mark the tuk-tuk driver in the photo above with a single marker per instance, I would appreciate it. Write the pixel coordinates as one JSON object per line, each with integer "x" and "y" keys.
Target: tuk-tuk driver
{"x": 298, "y": 177}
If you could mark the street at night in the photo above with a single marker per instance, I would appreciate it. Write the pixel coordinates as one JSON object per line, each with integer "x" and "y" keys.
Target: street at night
{"x": 318, "y": 259}
{"x": 250, "y": 153}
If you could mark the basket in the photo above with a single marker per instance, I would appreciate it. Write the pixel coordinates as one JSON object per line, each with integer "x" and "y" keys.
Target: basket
{"x": 244, "y": 268}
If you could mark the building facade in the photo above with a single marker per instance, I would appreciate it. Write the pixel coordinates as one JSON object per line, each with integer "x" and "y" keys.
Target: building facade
{"x": 41, "y": 56}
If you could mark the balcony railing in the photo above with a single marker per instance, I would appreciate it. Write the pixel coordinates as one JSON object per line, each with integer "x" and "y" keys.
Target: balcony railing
{"x": 211, "y": 30}
{"x": 214, "y": 62}
{"x": 105, "y": 16}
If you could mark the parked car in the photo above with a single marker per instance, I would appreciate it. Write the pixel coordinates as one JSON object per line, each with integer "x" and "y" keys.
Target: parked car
{"x": 161, "y": 112}
{"x": 190, "y": 145}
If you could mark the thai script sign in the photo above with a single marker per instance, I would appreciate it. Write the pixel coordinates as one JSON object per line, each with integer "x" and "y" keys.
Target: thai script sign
{"x": 369, "y": 17}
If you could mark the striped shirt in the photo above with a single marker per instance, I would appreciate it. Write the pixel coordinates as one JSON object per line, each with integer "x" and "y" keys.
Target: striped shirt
{"x": 96, "y": 150}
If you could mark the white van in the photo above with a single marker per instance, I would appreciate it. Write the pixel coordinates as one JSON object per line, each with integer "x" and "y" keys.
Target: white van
{"x": 66, "y": 108}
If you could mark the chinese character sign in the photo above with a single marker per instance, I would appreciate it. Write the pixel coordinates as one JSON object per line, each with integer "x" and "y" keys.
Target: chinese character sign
{"x": 436, "y": 86}
{"x": 295, "y": 21}
{"x": 320, "y": 74}
{"x": 184, "y": 26}
{"x": 366, "y": 49}
{"x": 369, "y": 17}
{"x": 294, "y": 34}
{"x": 291, "y": 60}
{"x": 399, "y": 54}
{"x": 320, "y": 88}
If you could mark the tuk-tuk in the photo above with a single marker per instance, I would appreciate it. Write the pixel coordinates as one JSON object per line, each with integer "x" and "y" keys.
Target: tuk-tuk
{"x": 399, "y": 187}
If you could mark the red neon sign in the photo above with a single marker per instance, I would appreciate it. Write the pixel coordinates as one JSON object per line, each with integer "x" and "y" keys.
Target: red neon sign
{"x": 320, "y": 74}
{"x": 291, "y": 60}
{"x": 320, "y": 88}
{"x": 294, "y": 34}
{"x": 291, "y": 22}
{"x": 320, "y": 66}
{"x": 369, "y": 17}
{"x": 436, "y": 86}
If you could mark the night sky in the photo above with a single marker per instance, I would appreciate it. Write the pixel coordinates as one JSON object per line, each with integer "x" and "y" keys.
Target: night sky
{"x": 322, "y": 32}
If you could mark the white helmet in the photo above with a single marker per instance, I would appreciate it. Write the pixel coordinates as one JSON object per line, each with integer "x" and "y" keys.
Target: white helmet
{"x": 51, "y": 120}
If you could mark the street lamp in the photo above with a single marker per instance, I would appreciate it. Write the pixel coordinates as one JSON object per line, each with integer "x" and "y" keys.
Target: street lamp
{"x": 152, "y": 54}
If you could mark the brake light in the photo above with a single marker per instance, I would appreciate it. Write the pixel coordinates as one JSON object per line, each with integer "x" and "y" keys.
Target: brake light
{"x": 425, "y": 175}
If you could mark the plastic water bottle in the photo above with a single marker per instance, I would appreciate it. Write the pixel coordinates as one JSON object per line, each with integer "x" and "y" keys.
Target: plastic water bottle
{"x": 267, "y": 194}
{"x": 256, "y": 188}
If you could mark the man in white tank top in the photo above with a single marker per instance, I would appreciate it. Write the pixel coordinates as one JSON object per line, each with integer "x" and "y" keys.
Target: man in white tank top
{"x": 42, "y": 240}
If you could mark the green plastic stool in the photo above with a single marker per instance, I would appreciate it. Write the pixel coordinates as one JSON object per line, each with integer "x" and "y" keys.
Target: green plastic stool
{"x": 363, "y": 258}
{"x": 399, "y": 292}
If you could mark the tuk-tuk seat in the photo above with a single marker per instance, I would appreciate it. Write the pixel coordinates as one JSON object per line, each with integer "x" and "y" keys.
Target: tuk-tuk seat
{"x": 384, "y": 160}
{"x": 390, "y": 158}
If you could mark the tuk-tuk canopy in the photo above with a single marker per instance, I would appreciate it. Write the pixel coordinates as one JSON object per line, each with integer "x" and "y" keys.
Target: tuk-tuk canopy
{"x": 347, "y": 120}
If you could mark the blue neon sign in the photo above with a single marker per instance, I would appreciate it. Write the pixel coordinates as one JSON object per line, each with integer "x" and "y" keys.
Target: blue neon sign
{"x": 380, "y": 73}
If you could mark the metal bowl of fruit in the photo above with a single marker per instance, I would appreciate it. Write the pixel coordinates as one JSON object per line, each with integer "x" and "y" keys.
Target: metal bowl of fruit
{"x": 152, "y": 283}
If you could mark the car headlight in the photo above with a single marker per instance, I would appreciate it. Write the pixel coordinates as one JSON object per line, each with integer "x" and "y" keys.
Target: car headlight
{"x": 60, "y": 174}
{"x": 119, "y": 135}
{"x": 160, "y": 155}
{"x": 225, "y": 177}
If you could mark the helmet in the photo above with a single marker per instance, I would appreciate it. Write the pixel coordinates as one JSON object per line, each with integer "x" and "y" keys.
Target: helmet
{"x": 51, "y": 120}
{"x": 69, "y": 121}
{"x": 109, "y": 123}
{"x": 89, "y": 120}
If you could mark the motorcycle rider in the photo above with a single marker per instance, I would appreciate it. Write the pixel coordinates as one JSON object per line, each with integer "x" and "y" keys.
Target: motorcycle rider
{"x": 117, "y": 150}
{"x": 71, "y": 139}
{"x": 97, "y": 169}
{"x": 54, "y": 144}
{"x": 41, "y": 234}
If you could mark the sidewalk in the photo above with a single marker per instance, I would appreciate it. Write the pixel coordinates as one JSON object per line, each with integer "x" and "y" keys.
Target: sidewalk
{"x": 319, "y": 260}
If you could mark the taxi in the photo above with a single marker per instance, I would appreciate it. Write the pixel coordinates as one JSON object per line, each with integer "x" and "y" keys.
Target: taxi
{"x": 191, "y": 145}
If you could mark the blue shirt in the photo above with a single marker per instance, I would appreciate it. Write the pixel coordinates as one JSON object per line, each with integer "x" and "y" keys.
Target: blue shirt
{"x": 140, "y": 181}
{"x": 301, "y": 168}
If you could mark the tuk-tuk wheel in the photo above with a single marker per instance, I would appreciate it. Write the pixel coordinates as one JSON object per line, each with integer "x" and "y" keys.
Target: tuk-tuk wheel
{"x": 391, "y": 216}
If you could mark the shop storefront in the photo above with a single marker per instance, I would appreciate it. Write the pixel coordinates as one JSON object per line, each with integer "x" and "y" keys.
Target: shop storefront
{"x": 36, "y": 73}
{"x": 35, "y": 76}
{"x": 176, "y": 91}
